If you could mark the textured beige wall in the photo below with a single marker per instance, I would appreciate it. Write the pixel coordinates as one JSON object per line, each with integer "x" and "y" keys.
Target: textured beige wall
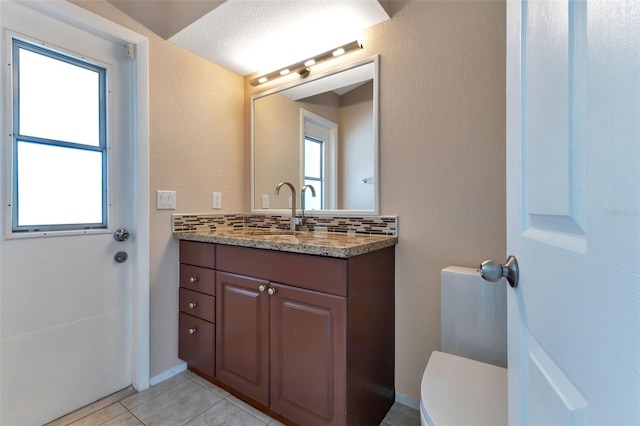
{"x": 277, "y": 148}
{"x": 442, "y": 154}
{"x": 355, "y": 149}
{"x": 277, "y": 145}
{"x": 196, "y": 125}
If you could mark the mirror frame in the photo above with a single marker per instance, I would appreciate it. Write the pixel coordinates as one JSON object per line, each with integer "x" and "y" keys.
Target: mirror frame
{"x": 376, "y": 142}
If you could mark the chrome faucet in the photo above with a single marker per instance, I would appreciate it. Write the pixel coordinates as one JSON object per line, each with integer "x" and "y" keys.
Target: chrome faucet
{"x": 293, "y": 202}
{"x": 302, "y": 204}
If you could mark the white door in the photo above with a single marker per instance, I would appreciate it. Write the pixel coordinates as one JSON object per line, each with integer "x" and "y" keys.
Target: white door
{"x": 573, "y": 190}
{"x": 66, "y": 304}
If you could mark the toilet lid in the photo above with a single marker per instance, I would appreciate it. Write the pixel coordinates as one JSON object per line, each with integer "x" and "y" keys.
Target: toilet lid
{"x": 460, "y": 391}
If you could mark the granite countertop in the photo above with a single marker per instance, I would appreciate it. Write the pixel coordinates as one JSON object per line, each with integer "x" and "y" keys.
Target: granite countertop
{"x": 328, "y": 244}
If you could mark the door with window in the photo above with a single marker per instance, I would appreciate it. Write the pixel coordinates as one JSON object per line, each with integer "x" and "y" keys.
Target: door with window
{"x": 573, "y": 218}
{"x": 66, "y": 301}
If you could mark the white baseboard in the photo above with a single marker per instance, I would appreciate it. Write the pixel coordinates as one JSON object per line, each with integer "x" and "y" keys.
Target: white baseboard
{"x": 408, "y": 401}
{"x": 167, "y": 374}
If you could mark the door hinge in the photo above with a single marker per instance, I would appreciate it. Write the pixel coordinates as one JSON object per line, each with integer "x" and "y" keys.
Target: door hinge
{"x": 131, "y": 51}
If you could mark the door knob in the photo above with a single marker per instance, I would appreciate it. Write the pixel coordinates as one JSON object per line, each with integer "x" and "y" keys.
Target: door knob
{"x": 271, "y": 291}
{"x": 492, "y": 270}
{"x": 262, "y": 288}
{"x": 121, "y": 235}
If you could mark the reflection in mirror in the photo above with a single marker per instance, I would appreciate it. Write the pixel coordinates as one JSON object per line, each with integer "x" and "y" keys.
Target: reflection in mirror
{"x": 322, "y": 133}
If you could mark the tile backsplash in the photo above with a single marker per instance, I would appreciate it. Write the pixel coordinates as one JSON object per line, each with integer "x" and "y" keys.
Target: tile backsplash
{"x": 364, "y": 225}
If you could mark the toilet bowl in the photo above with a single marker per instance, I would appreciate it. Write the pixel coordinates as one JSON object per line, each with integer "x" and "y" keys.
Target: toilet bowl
{"x": 466, "y": 382}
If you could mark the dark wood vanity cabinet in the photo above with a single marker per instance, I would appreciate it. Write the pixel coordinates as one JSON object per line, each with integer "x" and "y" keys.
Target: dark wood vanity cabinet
{"x": 310, "y": 338}
{"x": 196, "y": 329}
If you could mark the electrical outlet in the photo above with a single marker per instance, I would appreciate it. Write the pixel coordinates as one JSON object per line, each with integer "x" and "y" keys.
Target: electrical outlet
{"x": 165, "y": 200}
{"x": 265, "y": 201}
{"x": 217, "y": 200}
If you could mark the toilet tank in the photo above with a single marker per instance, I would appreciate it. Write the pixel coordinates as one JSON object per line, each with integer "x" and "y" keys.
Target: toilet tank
{"x": 473, "y": 316}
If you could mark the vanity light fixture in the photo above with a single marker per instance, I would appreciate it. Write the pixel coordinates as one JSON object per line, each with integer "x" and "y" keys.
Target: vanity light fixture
{"x": 302, "y": 67}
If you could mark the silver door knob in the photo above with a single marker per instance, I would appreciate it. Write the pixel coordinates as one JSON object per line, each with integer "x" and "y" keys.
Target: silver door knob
{"x": 192, "y": 330}
{"x": 121, "y": 235}
{"x": 492, "y": 270}
{"x": 192, "y": 305}
{"x": 192, "y": 280}
{"x": 271, "y": 291}
{"x": 262, "y": 288}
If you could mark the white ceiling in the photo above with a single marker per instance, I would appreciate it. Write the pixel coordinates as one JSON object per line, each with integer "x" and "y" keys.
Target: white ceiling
{"x": 248, "y": 36}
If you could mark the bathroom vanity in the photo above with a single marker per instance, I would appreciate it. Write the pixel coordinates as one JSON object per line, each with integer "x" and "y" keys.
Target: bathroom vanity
{"x": 299, "y": 325}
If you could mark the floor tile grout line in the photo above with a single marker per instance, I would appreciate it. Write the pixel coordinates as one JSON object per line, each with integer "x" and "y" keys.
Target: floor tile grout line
{"x": 251, "y": 414}
{"x": 135, "y": 417}
{"x": 208, "y": 408}
{"x": 224, "y": 398}
{"x": 155, "y": 396}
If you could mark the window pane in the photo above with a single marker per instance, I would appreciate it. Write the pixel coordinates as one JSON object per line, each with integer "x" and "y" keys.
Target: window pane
{"x": 58, "y": 100}
{"x": 312, "y": 158}
{"x": 58, "y": 185}
{"x": 310, "y": 202}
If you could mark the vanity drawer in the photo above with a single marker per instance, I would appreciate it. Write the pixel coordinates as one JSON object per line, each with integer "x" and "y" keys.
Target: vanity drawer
{"x": 197, "y": 304}
{"x": 198, "y": 279}
{"x": 324, "y": 274}
{"x": 196, "y": 343}
{"x": 198, "y": 254}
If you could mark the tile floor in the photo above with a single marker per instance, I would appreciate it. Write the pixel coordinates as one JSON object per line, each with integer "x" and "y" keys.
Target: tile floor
{"x": 187, "y": 399}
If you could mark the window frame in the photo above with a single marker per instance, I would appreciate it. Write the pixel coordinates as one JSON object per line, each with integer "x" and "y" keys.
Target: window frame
{"x": 314, "y": 126}
{"x": 18, "y": 43}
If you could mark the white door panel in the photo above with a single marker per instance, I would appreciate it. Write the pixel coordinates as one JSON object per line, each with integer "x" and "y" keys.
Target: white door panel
{"x": 66, "y": 305}
{"x": 573, "y": 160}
{"x": 57, "y": 370}
{"x": 39, "y": 287}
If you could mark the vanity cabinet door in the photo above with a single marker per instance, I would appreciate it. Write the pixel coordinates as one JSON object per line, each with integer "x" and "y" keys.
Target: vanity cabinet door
{"x": 308, "y": 355}
{"x": 242, "y": 317}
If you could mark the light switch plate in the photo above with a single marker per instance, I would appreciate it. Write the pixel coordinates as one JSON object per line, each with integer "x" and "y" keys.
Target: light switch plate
{"x": 265, "y": 201}
{"x": 165, "y": 200}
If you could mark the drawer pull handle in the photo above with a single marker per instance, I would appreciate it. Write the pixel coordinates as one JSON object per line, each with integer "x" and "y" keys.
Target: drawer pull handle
{"x": 192, "y": 305}
{"x": 271, "y": 291}
{"x": 192, "y": 280}
{"x": 262, "y": 288}
{"x": 192, "y": 330}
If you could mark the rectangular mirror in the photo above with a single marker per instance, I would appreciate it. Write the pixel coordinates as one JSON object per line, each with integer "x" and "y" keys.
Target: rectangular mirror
{"x": 323, "y": 132}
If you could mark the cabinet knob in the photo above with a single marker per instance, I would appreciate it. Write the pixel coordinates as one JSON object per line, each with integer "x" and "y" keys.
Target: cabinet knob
{"x": 192, "y": 330}
{"x": 271, "y": 291}
{"x": 192, "y": 305}
{"x": 193, "y": 279}
{"x": 262, "y": 288}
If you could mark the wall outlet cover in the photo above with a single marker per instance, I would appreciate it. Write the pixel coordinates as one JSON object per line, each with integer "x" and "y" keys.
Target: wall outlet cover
{"x": 217, "y": 200}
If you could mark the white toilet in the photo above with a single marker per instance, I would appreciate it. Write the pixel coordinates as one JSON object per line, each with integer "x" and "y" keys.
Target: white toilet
{"x": 466, "y": 383}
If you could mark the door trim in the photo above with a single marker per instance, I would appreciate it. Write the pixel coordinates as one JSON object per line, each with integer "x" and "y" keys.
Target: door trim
{"x": 76, "y": 16}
